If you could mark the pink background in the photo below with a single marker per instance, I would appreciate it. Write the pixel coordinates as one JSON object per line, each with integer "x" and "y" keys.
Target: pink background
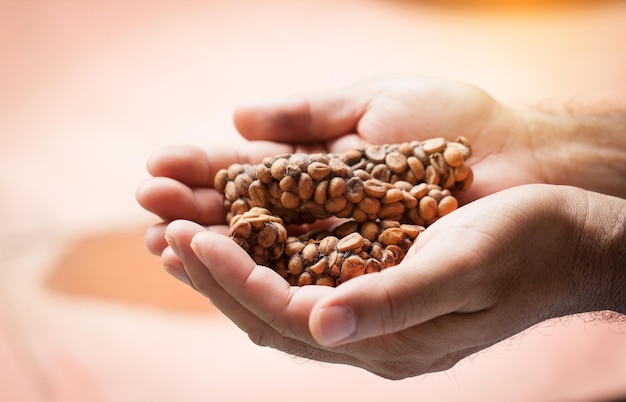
{"x": 89, "y": 89}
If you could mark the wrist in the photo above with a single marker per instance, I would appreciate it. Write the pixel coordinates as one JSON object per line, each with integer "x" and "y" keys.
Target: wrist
{"x": 582, "y": 149}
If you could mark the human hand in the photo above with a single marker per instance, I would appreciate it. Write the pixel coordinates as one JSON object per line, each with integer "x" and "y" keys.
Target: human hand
{"x": 384, "y": 110}
{"x": 476, "y": 276}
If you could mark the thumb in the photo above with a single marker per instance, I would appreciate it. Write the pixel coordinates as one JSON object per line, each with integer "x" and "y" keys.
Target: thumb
{"x": 427, "y": 284}
{"x": 305, "y": 118}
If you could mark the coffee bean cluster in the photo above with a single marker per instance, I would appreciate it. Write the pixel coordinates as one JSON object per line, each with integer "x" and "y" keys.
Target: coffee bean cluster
{"x": 391, "y": 188}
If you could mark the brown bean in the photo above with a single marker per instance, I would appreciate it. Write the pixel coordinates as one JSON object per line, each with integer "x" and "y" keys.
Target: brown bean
{"x": 408, "y": 200}
{"x": 320, "y": 157}
{"x": 274, "y": 189}
{"x": 234, "y": 170}
{"x": 421, "y": 155}
{"x": 354, "y": 190}
{"x": 288, "y": 183}
{"x": 305, "y": 279}
{"x": 416, "y": 167}
{"x": 352, "y": 267}
{"x": 321, "y": 192}
{"x": 427, "y": 208}
{"x": 372, "y": 265}
{"x": 309, "y": 253}
{"x": 335, "y": 260}
{"x": 463, "y": 141}
{"x": 338, "y": 168}
{"x": 289, "y": 200}
{"x": 439, "y": 163}
{"x": 391, "y": 236}
{"x": 369, "y": 230}
{"x": 465, "y": 183}
{"x": 433, "y": 145}
{"x": 336, "y": 187}
{"x": 375, "y": 154}
{"x": 453, "y": 156}
{"x": 381, "y": 172}
{"x": 392, "y": 195}
{"x": 447, "y": 180}
{"x": 318, "y": 170}
{"x": 319, "y": 267}
{"x": 436, "y": 194}
{"x": 328, "y": 244}
{"x": 351, "y": 157}
{"x": 350, "y": 242}
{"x": 392, "y": 211}
{"x": 405, "y": 148}
{"x": 396, "y": 161}
{"x": 375, "y": 188}
{"x": 362, "y": 174}
{"x": 221, "y": 178}
{"x": 325, "y": 281}
{"x": 370, "y": 205}
{"x": 306, "y": 186}
{"x": 419, "y": 191}
{"x": 278, "y": 169}
{"x": 293, "y": 247}
{"x": 239, "y": 206}
{"x": 230, "y": 191}
{"x": 241, "y": 229}
{"x": 447, "y": 205}
{"x": 335, "y": 204}
{"x": 461, "y": 172}
{"x": 411, "y": 231}
{"x": 346, "y": 228}
{"x": 359, "y": 215}
{"x": 432, "y": 176}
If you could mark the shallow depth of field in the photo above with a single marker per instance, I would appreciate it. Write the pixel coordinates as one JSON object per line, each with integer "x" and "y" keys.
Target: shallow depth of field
{"x": 89, "y": 89}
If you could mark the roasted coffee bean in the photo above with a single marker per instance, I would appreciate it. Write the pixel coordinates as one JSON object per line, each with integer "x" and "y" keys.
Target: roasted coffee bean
{"x": 350, "y": 242}
{"x": 318, "y": 170}
{"x": 447, "y": 205}
{"x": 375, "y": 154}
{"x": 433, "y": 145}
{"x": 428, "y": 208}
{"x": 453, "y": 156}
{"x": 336, "y": 187}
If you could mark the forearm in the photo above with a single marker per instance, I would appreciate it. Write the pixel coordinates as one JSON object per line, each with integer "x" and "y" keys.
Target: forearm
{"x": 582, "y": 149}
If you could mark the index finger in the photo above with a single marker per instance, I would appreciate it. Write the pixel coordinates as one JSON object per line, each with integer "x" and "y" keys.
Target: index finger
{"x": 259, "y": 289}
{"x": 196, "y": 167}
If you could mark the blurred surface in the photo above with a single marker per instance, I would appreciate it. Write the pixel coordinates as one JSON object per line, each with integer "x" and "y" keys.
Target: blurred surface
{"x": 89, "y": 89}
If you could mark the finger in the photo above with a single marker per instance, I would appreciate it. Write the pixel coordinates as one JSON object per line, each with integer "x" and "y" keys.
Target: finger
{"x": 258, "y": 288}
{"x": 304, "y": 119}
{"x": 170, "y": 199}
{"x": 196, "y": 167}
{"x": 174, "y": 266}
{"x": 154, "y": 238}
{"x": 180, "y": 235}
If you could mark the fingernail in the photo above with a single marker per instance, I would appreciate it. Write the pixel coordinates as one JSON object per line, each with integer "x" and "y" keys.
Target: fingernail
{"x": 336, "y": 323}
{"x": 178, "y": 273}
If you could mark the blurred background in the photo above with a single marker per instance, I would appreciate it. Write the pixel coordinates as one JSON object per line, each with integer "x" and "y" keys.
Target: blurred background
{"x": 89, "y": 89}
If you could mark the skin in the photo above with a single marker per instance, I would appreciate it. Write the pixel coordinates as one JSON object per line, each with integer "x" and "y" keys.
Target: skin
{"x": 541, "y": 234}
